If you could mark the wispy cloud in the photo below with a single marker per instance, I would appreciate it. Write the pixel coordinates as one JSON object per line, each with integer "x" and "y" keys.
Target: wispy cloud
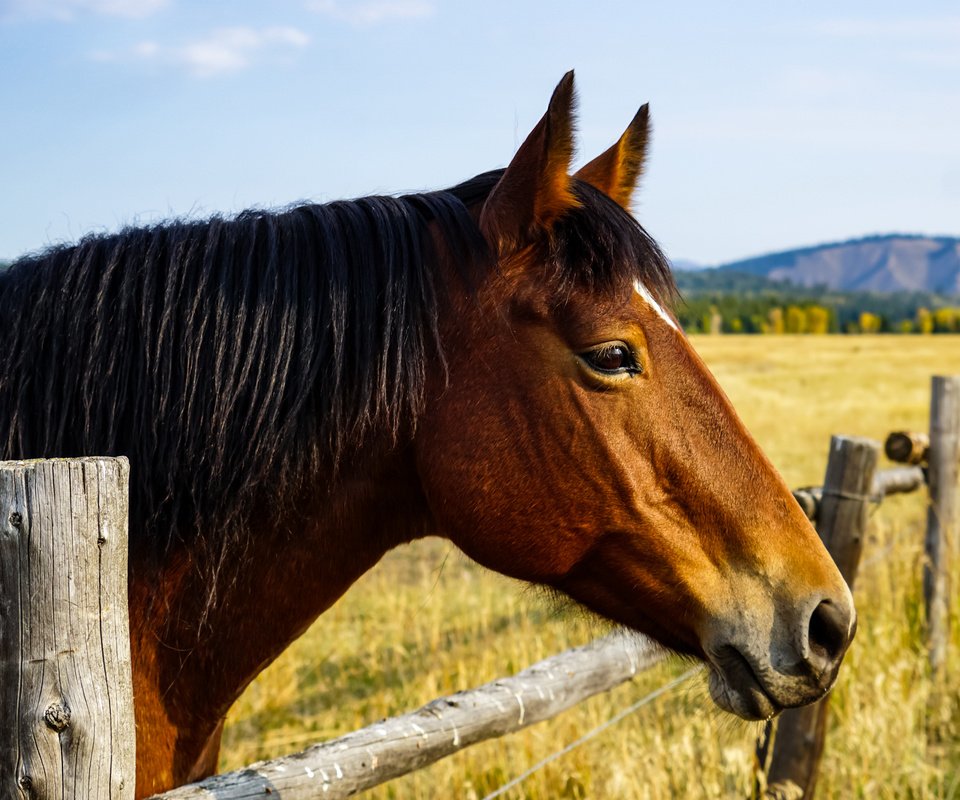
{"x": 67, "y": 10}
{"x": 372, "y": 12}
{"x": 224, "y": 50}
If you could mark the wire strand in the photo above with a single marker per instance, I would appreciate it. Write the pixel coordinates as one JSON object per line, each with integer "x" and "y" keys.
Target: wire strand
{"x": 598, "y": 730}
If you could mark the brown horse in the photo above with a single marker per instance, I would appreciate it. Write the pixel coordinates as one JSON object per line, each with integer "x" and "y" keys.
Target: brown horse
{"x": 301, "y": 391}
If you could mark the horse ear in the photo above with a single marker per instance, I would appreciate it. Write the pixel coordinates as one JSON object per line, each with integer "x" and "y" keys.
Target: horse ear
{"x": 616, "y": 171}
{"x": 536, "y": 187}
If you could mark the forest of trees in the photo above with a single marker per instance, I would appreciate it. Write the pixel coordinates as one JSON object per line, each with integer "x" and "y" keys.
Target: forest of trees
{"x": 741, "y": 303}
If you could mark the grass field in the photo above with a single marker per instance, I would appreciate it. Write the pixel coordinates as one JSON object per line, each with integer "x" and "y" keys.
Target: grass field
{"x": 428, "y": 622}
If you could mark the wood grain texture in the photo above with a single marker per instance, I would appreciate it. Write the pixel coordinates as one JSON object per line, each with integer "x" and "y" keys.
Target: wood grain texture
{"x": 375, "y": 754}
{"x": 943, "y": 514}
{"x": 66, "y": 698}
{"x": 897, "y": 480}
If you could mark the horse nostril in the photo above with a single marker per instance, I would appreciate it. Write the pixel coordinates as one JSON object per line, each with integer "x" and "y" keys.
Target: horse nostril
{"x": 829, "y": 633}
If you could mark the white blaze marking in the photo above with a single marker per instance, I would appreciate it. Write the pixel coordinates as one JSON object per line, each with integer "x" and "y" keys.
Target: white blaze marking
{"x": 648, "y": 299}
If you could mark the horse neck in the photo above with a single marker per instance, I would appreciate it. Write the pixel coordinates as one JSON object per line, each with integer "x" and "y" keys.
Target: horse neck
{"x": 294, "y": 568}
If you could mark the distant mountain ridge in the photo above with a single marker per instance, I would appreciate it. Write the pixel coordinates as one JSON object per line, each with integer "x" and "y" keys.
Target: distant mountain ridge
{"x": 887, "y": 263}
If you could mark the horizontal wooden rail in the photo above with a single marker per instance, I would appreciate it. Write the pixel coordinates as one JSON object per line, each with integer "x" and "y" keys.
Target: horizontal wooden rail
{"x": 896, "y": 480}
{"x": 375, "y": 754}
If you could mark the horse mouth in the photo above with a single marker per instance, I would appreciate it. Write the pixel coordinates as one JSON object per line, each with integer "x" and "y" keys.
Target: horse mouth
{"x": 734, "y": 687}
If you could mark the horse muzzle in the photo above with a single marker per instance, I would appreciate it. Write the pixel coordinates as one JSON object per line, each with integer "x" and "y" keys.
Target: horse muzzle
{"x": 756, "y": 675}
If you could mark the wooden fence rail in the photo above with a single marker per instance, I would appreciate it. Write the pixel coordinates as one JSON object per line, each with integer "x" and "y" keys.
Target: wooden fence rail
{"x": 896, "y": 480}
{"x": 375, "y": 754}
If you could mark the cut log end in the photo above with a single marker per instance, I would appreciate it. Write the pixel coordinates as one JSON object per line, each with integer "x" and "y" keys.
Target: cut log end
{"x": 906, "y": 447}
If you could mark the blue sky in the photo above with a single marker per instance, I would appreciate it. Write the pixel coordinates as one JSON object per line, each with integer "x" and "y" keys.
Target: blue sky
{"x": 775, "y": 124}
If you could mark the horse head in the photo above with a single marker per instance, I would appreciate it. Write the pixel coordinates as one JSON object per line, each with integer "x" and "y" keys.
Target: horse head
{"x": 576, "y": 439}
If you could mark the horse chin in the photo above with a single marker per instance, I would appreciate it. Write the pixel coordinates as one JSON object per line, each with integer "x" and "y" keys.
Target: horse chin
{"x": 734, "y": 687}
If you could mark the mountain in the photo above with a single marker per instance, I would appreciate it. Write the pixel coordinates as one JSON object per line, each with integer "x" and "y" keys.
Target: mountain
{"x": 890, "y": 263}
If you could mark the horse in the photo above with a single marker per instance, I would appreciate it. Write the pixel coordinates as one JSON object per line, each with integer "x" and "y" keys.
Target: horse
{"x": 299, "y": 391}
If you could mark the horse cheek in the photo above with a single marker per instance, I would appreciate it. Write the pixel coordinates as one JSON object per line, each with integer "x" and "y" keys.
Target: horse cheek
{"x": 478, "y": 493}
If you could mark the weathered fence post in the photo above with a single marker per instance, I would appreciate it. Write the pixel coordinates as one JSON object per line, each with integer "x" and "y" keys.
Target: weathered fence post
{"x": 943, "y": 514}
{"x": 841, "y": 521}
{"x": 66, "y": 700}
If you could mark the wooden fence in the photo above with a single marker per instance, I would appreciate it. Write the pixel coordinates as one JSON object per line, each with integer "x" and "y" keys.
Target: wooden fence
{"x": 65, "y": 662}
{"x": 66, "y": 696}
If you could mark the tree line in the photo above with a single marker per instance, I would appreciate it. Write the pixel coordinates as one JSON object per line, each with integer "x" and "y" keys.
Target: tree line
{"x": 731, "y": 302}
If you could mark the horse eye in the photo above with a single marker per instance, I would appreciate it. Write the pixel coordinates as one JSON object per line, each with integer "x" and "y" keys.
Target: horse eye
{"x": 612, "y": 359}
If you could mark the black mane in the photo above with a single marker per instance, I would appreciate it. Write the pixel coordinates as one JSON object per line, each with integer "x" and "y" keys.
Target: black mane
{"x": 230, "y": 355}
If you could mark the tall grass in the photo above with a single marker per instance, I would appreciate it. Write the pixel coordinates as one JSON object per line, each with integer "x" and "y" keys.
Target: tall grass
{"x": 427, "y": 622}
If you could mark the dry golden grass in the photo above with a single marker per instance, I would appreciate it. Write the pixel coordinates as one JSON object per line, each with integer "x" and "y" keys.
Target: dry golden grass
{"x": 428, "y": 622}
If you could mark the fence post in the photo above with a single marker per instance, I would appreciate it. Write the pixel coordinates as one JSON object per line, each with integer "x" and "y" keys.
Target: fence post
{"x": 943, "y": 515}
{"x": 66, "y": 699}
{"x": 841, "y": 522}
